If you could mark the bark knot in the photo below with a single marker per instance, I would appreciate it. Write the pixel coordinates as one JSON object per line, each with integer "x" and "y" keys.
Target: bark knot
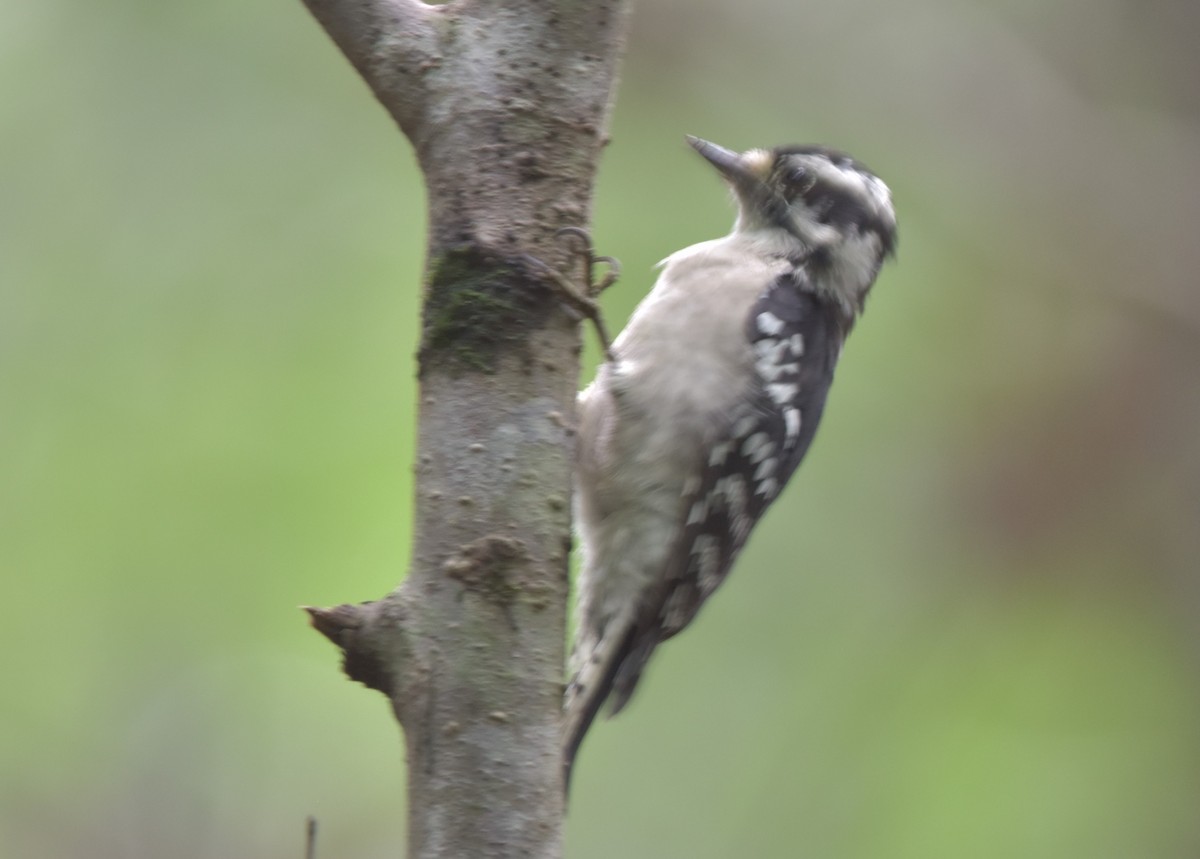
{"x": 486, "y": 566}
{"x": 352, "y": 629}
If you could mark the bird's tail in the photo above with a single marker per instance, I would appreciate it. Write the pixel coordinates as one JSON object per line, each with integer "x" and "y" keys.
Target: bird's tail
{"x": 599, "y": 674}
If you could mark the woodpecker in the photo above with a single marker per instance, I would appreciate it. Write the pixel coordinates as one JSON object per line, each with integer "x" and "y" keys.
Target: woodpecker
{"x": 708, "y": 402}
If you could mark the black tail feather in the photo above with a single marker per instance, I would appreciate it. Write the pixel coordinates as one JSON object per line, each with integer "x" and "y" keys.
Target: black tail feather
{"x": 616, "y": 684}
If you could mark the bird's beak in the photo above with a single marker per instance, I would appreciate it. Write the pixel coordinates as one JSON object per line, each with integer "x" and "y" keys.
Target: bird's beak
{"x": 743, "y": 170}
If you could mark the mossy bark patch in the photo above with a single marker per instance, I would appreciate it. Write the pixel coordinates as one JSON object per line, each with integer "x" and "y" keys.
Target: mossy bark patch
{"x": 478, "y": 305}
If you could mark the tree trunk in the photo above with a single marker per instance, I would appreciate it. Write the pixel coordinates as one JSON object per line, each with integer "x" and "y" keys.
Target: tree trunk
{"x": 506, "y": 104}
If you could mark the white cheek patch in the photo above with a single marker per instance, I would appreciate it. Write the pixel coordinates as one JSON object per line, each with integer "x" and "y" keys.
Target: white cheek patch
{"x": 863, "y": 186}
{"x": 844, "y": 177}
{"x": 811, "y": 232}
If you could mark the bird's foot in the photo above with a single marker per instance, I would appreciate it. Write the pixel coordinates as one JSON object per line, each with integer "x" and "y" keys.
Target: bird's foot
{"x": 583, "y": 302}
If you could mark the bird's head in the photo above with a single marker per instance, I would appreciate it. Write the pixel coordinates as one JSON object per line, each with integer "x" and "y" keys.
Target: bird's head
{"x": 832, "y": 210}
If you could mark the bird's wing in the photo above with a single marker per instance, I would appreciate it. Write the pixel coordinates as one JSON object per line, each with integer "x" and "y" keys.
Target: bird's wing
{"x": 795, "y": 337}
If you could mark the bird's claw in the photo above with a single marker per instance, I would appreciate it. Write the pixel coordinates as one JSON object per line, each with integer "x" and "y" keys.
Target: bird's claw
{"x": 584, "y": 302}
{"x": 591, "y": 260}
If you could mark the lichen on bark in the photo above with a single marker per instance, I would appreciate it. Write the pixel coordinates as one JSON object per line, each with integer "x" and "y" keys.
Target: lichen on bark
{"x": 478, "y": 305}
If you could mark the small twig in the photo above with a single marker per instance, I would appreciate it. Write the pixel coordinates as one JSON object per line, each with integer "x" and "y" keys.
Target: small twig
{"x": 310, "y": 838}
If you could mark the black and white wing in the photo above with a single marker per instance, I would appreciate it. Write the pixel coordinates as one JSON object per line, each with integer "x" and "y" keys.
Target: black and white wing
{"x": 796, "y": 337}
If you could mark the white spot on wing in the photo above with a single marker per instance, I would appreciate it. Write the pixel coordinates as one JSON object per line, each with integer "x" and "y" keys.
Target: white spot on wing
{"x": 791, "y": 420}
{"x": 745, "y": 426}
{"x": 772, "y": 370}
{"x": 769, "y": 323}
{"x": 674, "y": 610}
{"x": 770, "y": 350}
{"x": 783, "y": 393}
{"x": 754, "y": 444}
{"x": 767, "y": 488}
{"x": 735, "y": 496}
{"x": 705, "y": 550}
{"x": 765, "y": 467}
{"x": 719, "y": 453}
{"x": 698, "y": 513}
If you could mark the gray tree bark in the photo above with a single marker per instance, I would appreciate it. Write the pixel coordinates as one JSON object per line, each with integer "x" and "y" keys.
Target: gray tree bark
{"x": 506, "y": 104}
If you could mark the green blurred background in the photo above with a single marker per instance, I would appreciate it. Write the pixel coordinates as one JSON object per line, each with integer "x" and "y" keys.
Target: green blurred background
{"x": 971, "y": 628}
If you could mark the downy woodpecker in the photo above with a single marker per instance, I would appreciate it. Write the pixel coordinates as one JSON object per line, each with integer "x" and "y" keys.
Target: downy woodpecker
{"x": 709, "y": 401}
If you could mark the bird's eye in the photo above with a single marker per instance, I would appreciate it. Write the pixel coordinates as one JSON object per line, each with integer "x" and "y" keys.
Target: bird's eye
{"x": 798, "y": 180}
